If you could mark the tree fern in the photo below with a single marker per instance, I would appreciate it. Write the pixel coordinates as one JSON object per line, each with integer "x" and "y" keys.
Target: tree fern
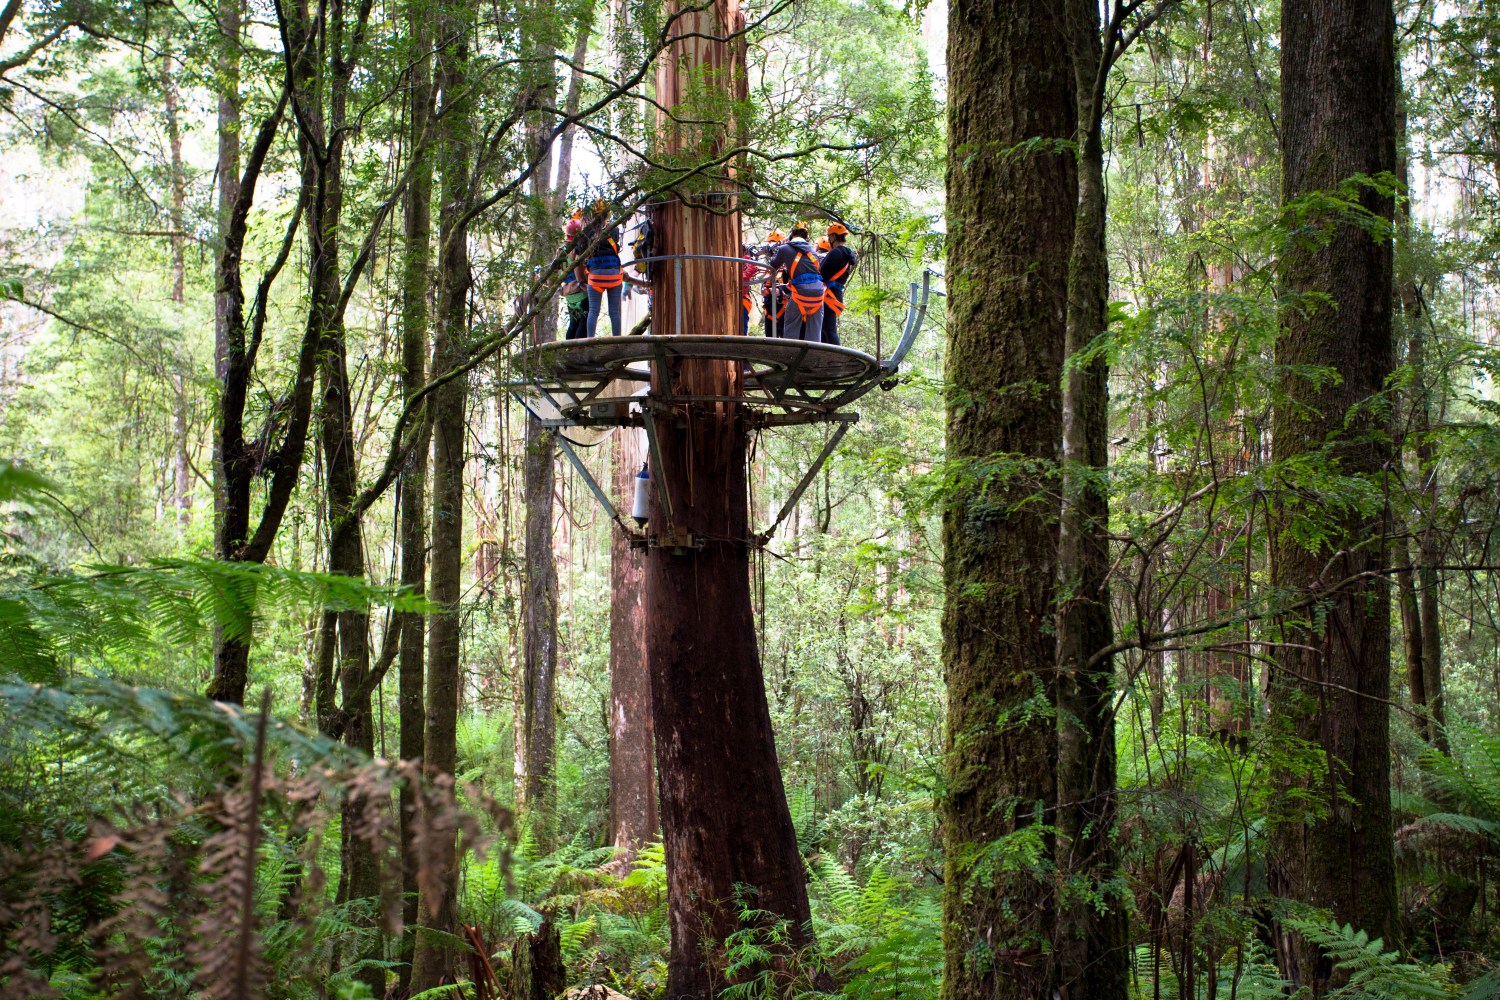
{"x": 1373, "y": 973}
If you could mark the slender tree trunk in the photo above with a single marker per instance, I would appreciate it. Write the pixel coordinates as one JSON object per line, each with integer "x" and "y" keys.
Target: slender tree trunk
{"x": 1012, "y": 191}
{"x": 632, "y": 776}
{"x": 539, "y": 609}
{"x": 182, "y": 481}
{"x": 1332, "y": 847}
{"x": 538, "y": 473}
{"x": 345, "y": 631}
{"x": 1428, "y": 554}
{"x": 1414, "y": 423}
{"x": 415, "y": 274}
{"x": 231, "y": 518}
{"x": 1411, "y": 635}
{"x": 433, "y": 960}
{"x": 1092, "y": 939}
{"x": 727, "y": 830}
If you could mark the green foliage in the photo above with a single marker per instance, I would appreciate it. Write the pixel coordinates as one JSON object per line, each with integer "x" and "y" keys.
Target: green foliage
{"x": 882, "y": 938}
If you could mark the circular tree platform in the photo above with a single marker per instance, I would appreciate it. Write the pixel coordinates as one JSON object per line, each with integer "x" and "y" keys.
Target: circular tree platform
{"x": 590, "y": 382}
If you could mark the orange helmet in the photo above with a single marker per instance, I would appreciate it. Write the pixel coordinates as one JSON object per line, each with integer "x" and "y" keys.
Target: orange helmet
{"x": 776, "y": 236}
{"x": 824, "y": 246}
{"x": 837, "y": 229}
{"x": 601, "y": 207}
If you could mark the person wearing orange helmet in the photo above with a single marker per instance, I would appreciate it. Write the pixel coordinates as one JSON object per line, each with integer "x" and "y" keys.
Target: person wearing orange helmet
{"x": 836, "y": 268}
{"x": 804, "y": 288}
{"x": 601, "y": 270}
{"x": 773, "y": 301}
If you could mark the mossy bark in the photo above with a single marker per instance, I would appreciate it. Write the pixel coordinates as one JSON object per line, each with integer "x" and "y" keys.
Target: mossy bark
{"x": 1012, "y": 187}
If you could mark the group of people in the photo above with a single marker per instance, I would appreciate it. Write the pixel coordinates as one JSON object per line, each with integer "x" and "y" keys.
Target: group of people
{"x": 802, "y": 297}
{"x": 802, "y": 284}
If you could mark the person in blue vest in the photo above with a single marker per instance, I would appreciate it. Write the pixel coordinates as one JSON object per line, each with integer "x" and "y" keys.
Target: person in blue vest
{"x": 836, "y": 269}
{"x": 601, "y": 271}
{"x": 803, "y": 318}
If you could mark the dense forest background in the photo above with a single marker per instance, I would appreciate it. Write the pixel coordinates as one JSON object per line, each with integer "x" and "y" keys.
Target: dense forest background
{"x": 309, "y": 637}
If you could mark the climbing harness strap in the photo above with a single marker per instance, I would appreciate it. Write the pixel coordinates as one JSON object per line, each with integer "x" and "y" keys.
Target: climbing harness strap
{"x": 808, "y": 302}
{"x": 604, "y": 282}
{"x": 831, "y": 298}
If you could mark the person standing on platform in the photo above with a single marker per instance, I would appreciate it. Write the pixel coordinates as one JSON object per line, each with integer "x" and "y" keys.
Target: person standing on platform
{"x": 805, "y": 289}
{"x": 836, "y": 269}
{"x": 749, "y": 271}
{"x": 772, "y": 304}
{"x": 574, "y": 292}
{"x": 601, "y": 271}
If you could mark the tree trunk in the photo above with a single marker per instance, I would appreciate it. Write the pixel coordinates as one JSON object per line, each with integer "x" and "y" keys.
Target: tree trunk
{"x": 538, "y": 972}
{"x": 727, "y": 830}
{"x": 1331, "y": 682}
{"x": 1411, "y": 635}
{"x": 176, "y": 222}
{"x": 1092, "y": 939}
{"x": 539, "y": 475}
{"x": 433, "y": 959}
{"x": 1428, "y": 554}
{"x": 1012, "y": 190}
{"x": 321, "y": 143}
{"x": 231, "y": 655}
{"x": 632, "y": 778}
{"x": 539, "y": 610}
{"x": 412, "y": 497}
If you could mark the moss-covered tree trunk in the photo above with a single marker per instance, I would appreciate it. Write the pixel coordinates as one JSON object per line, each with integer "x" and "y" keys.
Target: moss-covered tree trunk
{"x": 1012, "y": 188}
{"x": 1330, "y": 844}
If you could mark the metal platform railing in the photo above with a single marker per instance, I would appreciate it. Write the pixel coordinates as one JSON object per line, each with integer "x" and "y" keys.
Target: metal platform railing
{"x": 916, "y": 312}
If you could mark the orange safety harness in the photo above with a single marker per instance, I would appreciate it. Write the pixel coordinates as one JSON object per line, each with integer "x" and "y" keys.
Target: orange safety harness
{"x": 808, "y": 304}
{"x": 830, "y": 298}
{"x": 604, "y": 282}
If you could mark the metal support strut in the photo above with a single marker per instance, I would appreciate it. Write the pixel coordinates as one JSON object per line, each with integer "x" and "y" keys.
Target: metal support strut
{"x": 845, "y": 421}
{"x": 593, "y": 485}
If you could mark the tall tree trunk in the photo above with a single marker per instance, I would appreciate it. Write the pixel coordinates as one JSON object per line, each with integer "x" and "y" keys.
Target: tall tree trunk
{"x": 727, "y": 830}
{"x": 632, "y": 777}
{"x": 323, "y": 78}
{"x": 231, "y": 518}
{"x": 176, "y": 223}
{"x": 539, "y": 610}
{"x": 538, "y": 473}
{"x": 1012, "y": 189}
{"x": 1092, "y": 941}
{"x": 1331, "y": 682}
{"x": 1428, "y": 554}
{"x": 433, "y": 959}
{"x": 415, "y": 275}
{"x": 1415, "y": 420}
